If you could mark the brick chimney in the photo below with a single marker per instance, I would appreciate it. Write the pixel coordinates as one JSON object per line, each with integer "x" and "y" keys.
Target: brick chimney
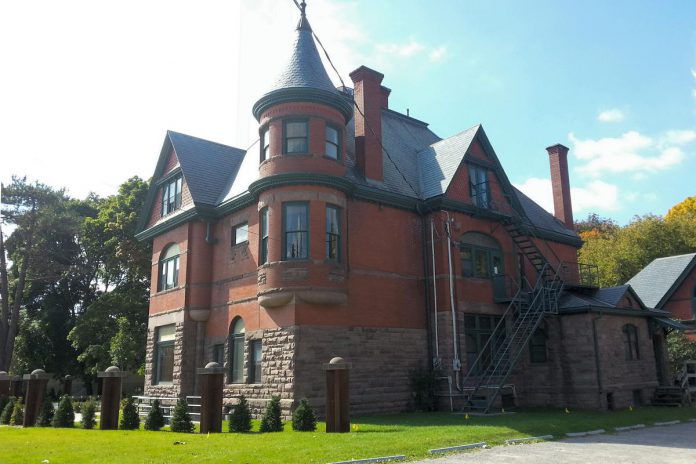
{"x": 370, "y": 97}
{"x": 562, "y": 206}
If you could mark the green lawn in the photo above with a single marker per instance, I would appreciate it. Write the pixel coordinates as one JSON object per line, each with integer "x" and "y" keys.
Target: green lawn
{"x": 409, "y": 434}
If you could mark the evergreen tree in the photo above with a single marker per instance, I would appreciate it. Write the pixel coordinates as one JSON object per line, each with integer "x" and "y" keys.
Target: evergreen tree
{"x": 303, "y": 419}
{"x": 17, "y": 417}
{"x": 271, "y": 421}
{"x": 181, "y": 420}
{"x": 7, "y": 411}
{"x": 240, "y": 419}
{"x": 4, "y": 399}
{"x": 46, "y": 414}
{"x": 155, "y": 418}
{"x": 65, "y": 415}
{"x": 129, "y": 416}
{"x": 89, "y": 412}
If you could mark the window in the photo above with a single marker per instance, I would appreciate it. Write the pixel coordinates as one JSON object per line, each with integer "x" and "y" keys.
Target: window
{"x": 255, "y": 350}
{"x": 265, "y": 144}
{"x": 219, "y": 353}
{"x": 333, "y": 145}
{"x": 296, "y": 137}
{"x": 236, "y": 351}
{"x": 240, "y": 234}
{"x": 693, "y": 303}
{"x": 333, "y": 233}
{"x": 480, "y": 256}
{"x": 164, "y": 354}
{"x": 630, "y": 332}
{"x": 477, "y": 330}
{"x": 537, "y": 346}
{"x": 263, "y": 236}
{"x": 295, "y": 230}
{"x": 169, "y": 268}
{"x": 171, "y": 196}
{"x": 478, "y": 186}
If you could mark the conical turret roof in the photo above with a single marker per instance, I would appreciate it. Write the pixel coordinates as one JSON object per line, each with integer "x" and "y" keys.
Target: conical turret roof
{"x": 304, "y": 78}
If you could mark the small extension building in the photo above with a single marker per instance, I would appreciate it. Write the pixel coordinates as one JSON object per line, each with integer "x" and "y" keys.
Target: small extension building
{"x": 349, "y": 229}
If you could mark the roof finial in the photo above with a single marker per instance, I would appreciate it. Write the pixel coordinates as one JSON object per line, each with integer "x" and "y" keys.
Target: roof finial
{"x": 303, "y": 7}
{"x": 303, "y": 24}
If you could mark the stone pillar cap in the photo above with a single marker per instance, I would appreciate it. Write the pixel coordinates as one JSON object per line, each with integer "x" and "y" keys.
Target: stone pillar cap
{"x": 337, "y": 363}
{"x": 4, "y": 376}
{"x": 112, "y": 371}
{"x": 211, "y": 368}
{"x": 68, "y": 377}
{"x": 37, "y": 374}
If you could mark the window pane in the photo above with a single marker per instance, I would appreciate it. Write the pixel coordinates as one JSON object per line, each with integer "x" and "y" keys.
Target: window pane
{"x": 166, "y": 333}
{"x": 295, "y": 245}
{"x": 237, "y": 359}
{"x": 165, "y": 362}
{"x": 241, "y": 233}
{"x": 497, "y": 263}
{"x": 332, "y": 233}
{"x": 219, "y": 354}
{"x": 256, "y": 354}
{"x": 296, "y": 129}
{"x": 331, "y": 135}
{"x": 265, "y": 141}
{"x": 331, "y": 150}
{"x": 297, "y": 145}
{"x": 263, "y": 232}
{"x": 481, "y": 265}
{"x": 465, "y": 256}
{"x": 295, "y": 217}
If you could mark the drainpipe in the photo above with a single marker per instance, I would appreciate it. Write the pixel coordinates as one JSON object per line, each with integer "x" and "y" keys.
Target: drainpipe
{"x": 208, "y": 234}
{"x": 432, "y": 248}
{"x": 598, "y": 365}
{"x": 456, "y": 363}
{"x": 424, "y": 249}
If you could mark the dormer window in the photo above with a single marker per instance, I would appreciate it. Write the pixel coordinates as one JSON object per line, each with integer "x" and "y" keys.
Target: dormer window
{"x": 171, "y": 195}
{"x": 295, "y": 137}
{"x": 478, "y": 186}
{"x": 333, "y": 146}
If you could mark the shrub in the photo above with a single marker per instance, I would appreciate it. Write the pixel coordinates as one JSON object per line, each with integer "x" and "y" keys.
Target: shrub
{"x": 17, "y": 417}
{"x": 181, "y": 420}
{"x": 271, "y": 421}
{"x": 680, "y": 348}
{"x": 155, "y": 418}
{"x": 89, "y": 413}
{"x": 46, "y": 413}
{"x": 303, "y": 419}
{"x": 4, "y": 399}
{"x": 240, "y": 419}
{"x": 7, "y": 411}
{"x": 129, "y": 415}
{"x": 65, "y": 415}
{"x": 423, "y": 383}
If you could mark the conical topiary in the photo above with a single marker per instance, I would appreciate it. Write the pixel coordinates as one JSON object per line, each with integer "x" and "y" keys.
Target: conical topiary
{"x": 46, "y": 413}
{"x": 7, "y": 411}
{"x": 181, "y": 420}
{"x": 89, "y": 413}
{"x": 129, "y": 416}
{"x": 240, "y": 418}
{"x": 4, "y": 399}
{"x": 17, "y": 417}
{"x": 271, "y": 421}
{"x": 65, "y": 415}
{"x": 303, "y": 419}
{"x": 155, "y": 418}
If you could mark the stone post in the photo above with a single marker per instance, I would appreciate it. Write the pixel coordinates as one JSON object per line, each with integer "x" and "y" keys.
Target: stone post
{"x": 211, "y": 381}
{"x": 36, "y": 391}
{"x": 67, "y": 385}
{"x": 111, "y": 397}
{"x": 337, "y": 398}
{"x": 16, "y": 389}
{"x": 5, "y": 384}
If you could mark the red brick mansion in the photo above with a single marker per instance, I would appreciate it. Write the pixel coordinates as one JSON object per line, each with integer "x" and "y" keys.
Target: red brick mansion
{"x": 352, "y": 230}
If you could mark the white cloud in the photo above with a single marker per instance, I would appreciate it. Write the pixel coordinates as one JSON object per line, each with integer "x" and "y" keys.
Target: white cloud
{"x": 404, "y": 50}
{"x": 632, "y": 152}
{"x": 595, "y": 196}
{"x": 612, "y": 115}
{"x": 693, "y": 73}
{"x": 437, "y": 54}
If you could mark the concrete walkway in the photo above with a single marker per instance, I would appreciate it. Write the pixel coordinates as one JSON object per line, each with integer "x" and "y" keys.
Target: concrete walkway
{"x": 674, "y": 444}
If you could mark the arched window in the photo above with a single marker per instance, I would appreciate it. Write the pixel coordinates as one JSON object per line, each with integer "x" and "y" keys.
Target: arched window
{"x": 630, "y": 333}
{"x": 480, "y": 256}
{"x": 236, "y": 351}
{"x": 169, "y": 268}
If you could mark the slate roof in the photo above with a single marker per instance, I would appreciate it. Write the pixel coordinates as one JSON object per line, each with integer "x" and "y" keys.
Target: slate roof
{"x": 598, "y": 298}
{"x": 207, "y": 166}
{"x": 659, "y": 279}
{"x": 541, "y": 218}
{"x": 439, "y": 161}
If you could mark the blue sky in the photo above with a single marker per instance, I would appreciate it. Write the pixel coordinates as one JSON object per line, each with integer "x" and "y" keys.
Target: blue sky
{"x": 614, "y": 81}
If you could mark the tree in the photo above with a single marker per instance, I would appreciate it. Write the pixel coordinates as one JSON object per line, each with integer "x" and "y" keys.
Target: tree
{"x": 687, "y": 207}
{"x": 240, "y": 419}
{"x": 89, "y": 412}
{"x": 181, "y": 420}
{"x": 46, "y": 414}
{"x": 155, "y": 417}
{"x": 65, "y": 414}
{"x": 129, "y": 416}
{"x": 271, "y": 420}
{"x": 127, "y": 345}
{"x": 680, "y": 348}
{"x": 303, "y": 419}
{"x": 7, "y": 411}
{"x": 17, "y": 417}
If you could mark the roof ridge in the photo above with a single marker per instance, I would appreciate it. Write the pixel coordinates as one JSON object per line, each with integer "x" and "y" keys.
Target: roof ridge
{"x": 169, "y": 131}
{"x": 458, "y": 134}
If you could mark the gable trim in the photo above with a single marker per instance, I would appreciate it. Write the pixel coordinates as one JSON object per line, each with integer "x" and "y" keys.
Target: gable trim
{"x": 677, "y": 283}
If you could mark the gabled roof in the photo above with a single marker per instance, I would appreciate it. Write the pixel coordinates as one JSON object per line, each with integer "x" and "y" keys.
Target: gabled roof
{"x": 656, "y": 283}
{"x": 207, "y": 166}
{"x": 600, "y": 298}
{"x": 541, "y": 218}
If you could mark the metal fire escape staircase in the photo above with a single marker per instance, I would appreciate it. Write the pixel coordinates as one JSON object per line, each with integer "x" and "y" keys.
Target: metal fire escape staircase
{"x": 488, "y": 374}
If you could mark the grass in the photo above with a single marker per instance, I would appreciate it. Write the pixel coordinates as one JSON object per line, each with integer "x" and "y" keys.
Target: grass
{"x": 410, "y": 434}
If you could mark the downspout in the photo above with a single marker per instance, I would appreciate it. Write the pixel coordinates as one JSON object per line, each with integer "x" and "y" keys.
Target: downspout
{"x": 456, "y": 363}
{"x": 424, "y": 249}
{"x": 208, "y": 235}
{"x": 432, "y": 248}
{"x": 598, "y": 365}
